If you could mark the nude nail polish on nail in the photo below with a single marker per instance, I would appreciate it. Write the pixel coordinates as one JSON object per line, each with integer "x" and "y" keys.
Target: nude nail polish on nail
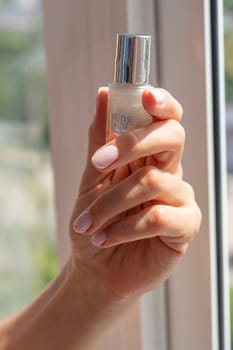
{"x": 159, "y": 96}
{"x": 83, "y": 222}
{"x": 99, "y": 238}
{"x": 105, "y": 157}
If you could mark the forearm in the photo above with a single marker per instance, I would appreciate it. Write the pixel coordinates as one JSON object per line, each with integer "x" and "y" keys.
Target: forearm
{"x": 70, "y": 318}
{"x": 13, "y": 327}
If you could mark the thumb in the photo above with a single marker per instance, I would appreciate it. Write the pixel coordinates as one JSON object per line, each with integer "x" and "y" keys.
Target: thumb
{"x": 96, "y": 138}
{"x": 97, "y": 130}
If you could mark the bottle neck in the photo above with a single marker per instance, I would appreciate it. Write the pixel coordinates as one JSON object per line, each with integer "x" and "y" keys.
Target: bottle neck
{"x": 116, "y": 85}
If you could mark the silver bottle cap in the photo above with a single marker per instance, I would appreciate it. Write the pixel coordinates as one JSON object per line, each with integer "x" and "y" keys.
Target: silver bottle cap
{"x": 132, "y": 62}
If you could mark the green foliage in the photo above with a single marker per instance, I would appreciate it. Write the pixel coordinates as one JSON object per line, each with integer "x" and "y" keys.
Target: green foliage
{"x": 30, "y": 250}
{"x": 16, "y": 50}
{"x": 14, "y": 43}
{"x": 229, "y": 87}
{"x": 46, "y": 262}
{"x": 228, "y": 3}
{"x": 12, "y": 94}
{"x": 228, "y": 37}
{"x": 22, "y": 72}
{"x": 7, "y": 2}
{"x": 29, "y": 258}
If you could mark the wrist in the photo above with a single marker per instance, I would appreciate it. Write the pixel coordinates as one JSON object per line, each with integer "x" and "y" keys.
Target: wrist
{"x": 102, "y": 309}
{"x": 95, "y": 299}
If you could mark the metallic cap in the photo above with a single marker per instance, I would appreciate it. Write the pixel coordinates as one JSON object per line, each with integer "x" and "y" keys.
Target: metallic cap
{"x": 132, "y": 64}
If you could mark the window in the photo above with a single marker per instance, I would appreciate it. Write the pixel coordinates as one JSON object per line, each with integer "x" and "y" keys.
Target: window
{"x": 27, "y": 240}
{"x": 189, "y": 311}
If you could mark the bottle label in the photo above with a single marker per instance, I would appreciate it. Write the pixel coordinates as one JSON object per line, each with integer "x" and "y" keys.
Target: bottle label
{"x": 121, "y": 123}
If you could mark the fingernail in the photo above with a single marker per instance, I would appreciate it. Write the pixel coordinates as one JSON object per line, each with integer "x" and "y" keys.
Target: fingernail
{"x": 159, "y": 96}
{"x": 105, "y": 156}
{"x": 99, "y": 238}
{"x": 102, "y": 88}
{"x": 83, "y": 222}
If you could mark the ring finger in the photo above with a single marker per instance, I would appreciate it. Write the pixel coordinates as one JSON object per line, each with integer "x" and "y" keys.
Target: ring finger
{"x": 145, "y": 185}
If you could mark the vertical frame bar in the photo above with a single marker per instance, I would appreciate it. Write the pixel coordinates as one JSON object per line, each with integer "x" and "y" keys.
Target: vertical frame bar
{"x": 217, "y": 31}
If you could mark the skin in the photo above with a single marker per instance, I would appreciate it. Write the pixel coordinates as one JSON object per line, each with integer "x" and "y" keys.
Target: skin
{"x": 148, "y": 216}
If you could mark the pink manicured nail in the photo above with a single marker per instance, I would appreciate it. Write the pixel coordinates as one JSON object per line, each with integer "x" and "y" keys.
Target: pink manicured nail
{"x": 99, "y": 238}
{"x": 83, "y": 222}
{"x": 159, "y": 96}
{"x": 105, "y": 156}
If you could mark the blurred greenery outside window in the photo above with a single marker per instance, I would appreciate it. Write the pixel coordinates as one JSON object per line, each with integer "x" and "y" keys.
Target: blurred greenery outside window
{"x": 27, "y": 240}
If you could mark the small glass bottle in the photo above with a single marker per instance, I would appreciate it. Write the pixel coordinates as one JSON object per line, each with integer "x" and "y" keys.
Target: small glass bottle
{"x": 131, "y": 78}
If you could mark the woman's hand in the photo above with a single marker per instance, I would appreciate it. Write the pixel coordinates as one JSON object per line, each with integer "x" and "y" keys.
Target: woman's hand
{"x": 134, "y": 217}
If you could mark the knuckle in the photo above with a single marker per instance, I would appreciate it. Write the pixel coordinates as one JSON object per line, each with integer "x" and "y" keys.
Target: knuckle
{"x": 167, "y": 178}
{"x": 189, "y": 190}
{"x": 198, "y": 219}
{"x": 176, "y": 107}
{"x": 156, "y": 217}
{"x": 181, "y": 250}
{"x": 135, "y": 135}
{"x": 149, "y": 179}
{"x": 179, "y": 172}
{"x": 129, "y": 140}
{"x": 177, "y": 131}
{"x": 180, "y": 110}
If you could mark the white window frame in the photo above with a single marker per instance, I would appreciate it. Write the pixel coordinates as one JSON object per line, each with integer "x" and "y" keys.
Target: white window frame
{"x": 183, "y": 313}
{"x": 194, "y": 321}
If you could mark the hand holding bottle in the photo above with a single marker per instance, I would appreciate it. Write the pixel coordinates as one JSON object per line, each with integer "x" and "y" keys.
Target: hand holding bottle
{"x": 133, "y": 220}
{"x": 116, "y": 249}
{"x": 135, "y": 217}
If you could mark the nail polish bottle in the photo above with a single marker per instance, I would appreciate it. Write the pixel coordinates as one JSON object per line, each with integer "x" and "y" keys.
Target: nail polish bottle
{"x": 131, "y": 77}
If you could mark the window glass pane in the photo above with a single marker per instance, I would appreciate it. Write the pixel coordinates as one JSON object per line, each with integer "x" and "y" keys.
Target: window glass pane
{"x": 27, "y": 240}
{"x": 229, "y": 115}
